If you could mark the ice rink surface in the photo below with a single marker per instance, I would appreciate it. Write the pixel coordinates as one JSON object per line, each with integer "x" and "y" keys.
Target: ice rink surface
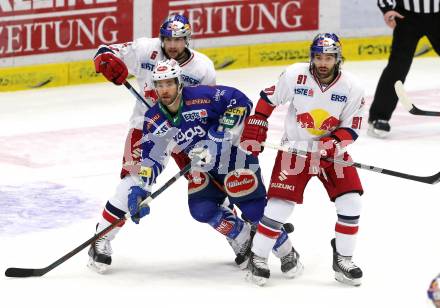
{"x": 60, "y": 158}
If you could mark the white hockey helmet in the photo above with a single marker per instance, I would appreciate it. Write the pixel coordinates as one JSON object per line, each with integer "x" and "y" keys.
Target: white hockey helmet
{"x": 167, "y": 69}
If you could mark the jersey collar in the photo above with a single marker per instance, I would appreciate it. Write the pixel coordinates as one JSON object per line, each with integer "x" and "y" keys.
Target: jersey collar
{"x": 174, "y": 119}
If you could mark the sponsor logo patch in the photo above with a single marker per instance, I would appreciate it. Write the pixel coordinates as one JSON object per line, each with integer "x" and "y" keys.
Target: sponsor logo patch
{"x": 240, "y": 182}
{"x": 190, "y": 116}
{"x": 189, "y": 134}
{"x": 145, "y": 172}
{"x": 225, "y": 227}
{"x": 338, "y": 98}
{"x": 197, "y": 101}
{"x": 282, "y": 186}
{"x": 147, "y": 66}
{"x": 196, "y": 182}
{"x": 304, "y": 91}
{"x": 236, "y": 111}
{"x": 162, "y": 128}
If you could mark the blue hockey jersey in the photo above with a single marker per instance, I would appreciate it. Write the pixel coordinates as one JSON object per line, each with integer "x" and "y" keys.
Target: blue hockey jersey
{"x": 201, "y": 107}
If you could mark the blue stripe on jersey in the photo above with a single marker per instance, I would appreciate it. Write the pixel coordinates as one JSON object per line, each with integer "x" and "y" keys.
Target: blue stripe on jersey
{"x": 114, "y": 210}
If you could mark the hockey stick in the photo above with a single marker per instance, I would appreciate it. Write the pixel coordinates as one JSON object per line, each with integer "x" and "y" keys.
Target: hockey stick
{"x": 406, "y": 102}
{"x": 136, "y": 94}
{"x": 432, "y": 179}
{"x": 32, "y": 272}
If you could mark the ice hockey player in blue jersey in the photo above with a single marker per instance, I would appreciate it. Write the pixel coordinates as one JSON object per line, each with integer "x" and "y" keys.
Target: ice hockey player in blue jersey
{"x": 204, "y": 122}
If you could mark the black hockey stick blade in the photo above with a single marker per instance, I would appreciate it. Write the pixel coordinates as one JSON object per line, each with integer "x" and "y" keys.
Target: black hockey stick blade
{"x": 25, "y": 272}
{"x": 35, "y": 272}
{"x": 406, "y": 102}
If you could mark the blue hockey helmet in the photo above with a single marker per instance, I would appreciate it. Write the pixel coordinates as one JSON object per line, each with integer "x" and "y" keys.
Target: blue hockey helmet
{"x": 176, "y": 26}
{"x": 326, "y": 43}
{"x": 434, "y": 289}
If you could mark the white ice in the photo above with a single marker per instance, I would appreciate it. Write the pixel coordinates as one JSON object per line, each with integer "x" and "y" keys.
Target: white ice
{"x": 60, "y": 157}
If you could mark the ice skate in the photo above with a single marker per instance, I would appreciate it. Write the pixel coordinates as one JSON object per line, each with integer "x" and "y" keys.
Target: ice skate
{"x": 379, "y": 129}
{"x": 243, "y": 251}
{"x": 345, "y": 270}
{"x": 290, "y": 264}
{"x": 258, "y": 270}
{"x": 100, "y": 252}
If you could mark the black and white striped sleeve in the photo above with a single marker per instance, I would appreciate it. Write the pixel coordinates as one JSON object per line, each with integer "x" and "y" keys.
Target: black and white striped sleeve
{"x": 422, "y": 6}
{"x": 386, "y": 5}
{"x": 415, "y": 6}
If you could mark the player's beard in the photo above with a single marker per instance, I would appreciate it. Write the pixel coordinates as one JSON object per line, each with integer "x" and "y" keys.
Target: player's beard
{"x": 324, "y": 72}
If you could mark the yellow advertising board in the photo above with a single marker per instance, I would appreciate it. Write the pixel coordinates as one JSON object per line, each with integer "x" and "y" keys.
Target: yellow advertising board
{"x": 233, "y": 57}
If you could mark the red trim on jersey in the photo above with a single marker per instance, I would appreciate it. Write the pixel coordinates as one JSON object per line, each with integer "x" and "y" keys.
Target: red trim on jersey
{"x": 319, "y": 83}
{"x": 189, "y": 59}
{"x": 350, "y": 230}
{"x": 343, "y": 135}
{"x": 268, "y": 232}
{"x": 264, "y": 108}
{"x": 111, "y": 219}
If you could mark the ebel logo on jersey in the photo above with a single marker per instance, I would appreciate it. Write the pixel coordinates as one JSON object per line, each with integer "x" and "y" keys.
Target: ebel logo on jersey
{"x": 189, "y": 134}
{"x": 338, "y": 98}
{"x": 191, "y": 116}
{"x": 304, "y": 91}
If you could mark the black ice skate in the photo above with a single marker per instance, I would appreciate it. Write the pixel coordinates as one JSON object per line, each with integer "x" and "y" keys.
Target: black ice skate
{"x": 243, "y": 251}
{"x": 290, "y": 264}
{"x": 345, "y": 270}
{"x": 258, "y": 270}
{"x": 100, "y": 255}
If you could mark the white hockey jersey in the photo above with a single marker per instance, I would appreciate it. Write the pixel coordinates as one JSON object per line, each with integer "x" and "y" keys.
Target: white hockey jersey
{"x": 140, "y": 57}
{"x": 316, "y": 111}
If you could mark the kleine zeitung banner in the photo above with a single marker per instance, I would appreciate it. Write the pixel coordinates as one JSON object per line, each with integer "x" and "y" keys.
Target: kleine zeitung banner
{"x": 31, "y": 27}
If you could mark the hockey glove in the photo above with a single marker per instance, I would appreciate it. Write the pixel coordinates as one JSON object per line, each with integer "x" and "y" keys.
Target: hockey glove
{"x": 254, "y": 133}
{"x": 135, "y": 197}
{"x": 328, "y": 148}
{"x": 112, "y": 67}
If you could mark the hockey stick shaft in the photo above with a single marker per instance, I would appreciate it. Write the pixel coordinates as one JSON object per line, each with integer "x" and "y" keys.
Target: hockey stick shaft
{"x": 28, "y": 272}
{"x": 433, "y": 179}
{"x": 136, "y": 94}
{"x": 407, "y": 103}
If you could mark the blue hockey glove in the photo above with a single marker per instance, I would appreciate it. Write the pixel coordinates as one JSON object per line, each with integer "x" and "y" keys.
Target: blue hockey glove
{"x": 135, "y": 197}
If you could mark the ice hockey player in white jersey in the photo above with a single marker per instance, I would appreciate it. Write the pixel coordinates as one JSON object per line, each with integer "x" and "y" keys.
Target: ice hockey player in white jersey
{"x": 324, "y": 116}
{"x": 139, "y": 58}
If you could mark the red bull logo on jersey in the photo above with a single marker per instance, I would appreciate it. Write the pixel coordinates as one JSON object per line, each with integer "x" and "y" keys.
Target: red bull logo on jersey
{"x": 304, "y": 91}
{"x": 317, "y": 122}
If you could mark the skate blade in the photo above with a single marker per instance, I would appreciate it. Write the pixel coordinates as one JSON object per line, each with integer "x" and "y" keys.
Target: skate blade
{"x": 376, "y": 133}
{"x": 345, "y": 280}
{"x": 99, "y": 268}
{"x": 243, "y": 265}
{"x": 295, "y": 272}
{"x": 259, "y": 281}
